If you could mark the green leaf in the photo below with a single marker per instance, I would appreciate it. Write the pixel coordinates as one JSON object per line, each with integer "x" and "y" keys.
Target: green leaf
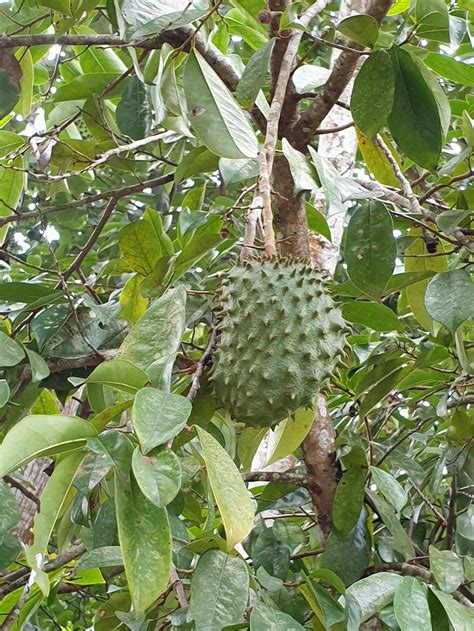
{"x": 242, "y": 23}
{"x": 106, "y": 556}
{"x": 348, "y": 499}
{"x": 447, "y": 569}
{"x": 12, "y": 184}
{"x": 449, "y": 298}
{"x": 461, "y": 618}
{"x": 432, "y": 20}
{"x": 328, "y": 611}
{"x": 197, "y": 161}
{"x": 266, "y": 618}
{"x": 146, "y": 16}
{"x": 399, "y": 6}
{"x": 450, "y": 219}
{"x": 23, "y": 107}
{"x": 417, "y": 260}
{"x": 355, "y": 545}
{"x": 362, "y": 29}
{"x": 215, "y": 116}
{"x": 120, "y": 374}
{"x": 9, "y": 143}
{"x": 37, "y": 436}
{"x": 52, "y": 501}
{"x": 194, "y": 251}
{"x": 139, "y": 246}
{"x": 307, "y": 78}
{"x": 4, "y": 392}
{"x": 373, "y": 92}
{"x": 415, "y": 120}
{"x": 372, "y": 315}
{"x": 382, "y": 389}
{"x": 133, "y": 111}
{"x": 153, "y": 341}
{"x": 158, "y": 475}
{"x": 10, "y": 78}
{"x": 301, "y": 171}
{"x": 219, "y": 591}
{"x": 376, "y": 161}
{"x": 11, "y": 353}
{"x": 401, "y": 541}
{"x": 9, "y": 515}
{"x": 154, "y": 218}
{"x": 411, "y": 606}
{"x": 132, "y": 303}
{"x": 374, "y": 592}
{"x": 39, "y": 368}
{"x": 145, "y": 541}
{"x": 390, "y": 488}
{"x": 253, "y": 77}
{"x": 370, "y": 249}
{"x": 451, "y": 69}
{"x": 233, "y": 499}
{"x": 84, "y": 86}
{"x": 238, "y": 170}
{"x": 288, "y": 435}
{"x": 9, "y": 550}
{"x": 317, "y": 221}
{"x": 158, "y": 417}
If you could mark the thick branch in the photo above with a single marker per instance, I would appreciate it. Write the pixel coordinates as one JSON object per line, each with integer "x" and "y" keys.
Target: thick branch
{"x": 340, "y": 76}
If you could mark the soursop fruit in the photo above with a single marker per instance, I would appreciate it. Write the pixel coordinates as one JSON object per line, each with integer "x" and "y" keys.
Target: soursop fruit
{"x": 280, "y": 337}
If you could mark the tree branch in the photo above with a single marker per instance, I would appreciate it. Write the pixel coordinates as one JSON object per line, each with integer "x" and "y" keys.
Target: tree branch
{"x": 195, "y": 383}
{"x": 298, "y": 479}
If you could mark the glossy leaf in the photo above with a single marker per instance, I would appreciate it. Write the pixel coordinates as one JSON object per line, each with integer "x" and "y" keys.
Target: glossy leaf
{"x": 362, "y": 29}
{"x": 447, "y": 568}
{"x": 107, "y": 556}
{"x": 415, "y": 120}
{"x": 374, "y": 592}
{"x": 288, "y": 435}
{"x": 461, "y": 618}
{"x": 39, "y": 367}
{"x": 390, "y": 488}
{"x": 301, "y": 171}
{"x": 449, "y": 298}
{"x": 401, "y": 541}
{"x": 450, "y": 68}
{"x": 411, "y": 606}
{"x": 348, "y": 499}
{"x": 158, "y": 475}
{"x": 133, "y": 111}
{"x": 153, "y": 342}
{"x": 145, "y": 541}
{"x": 37, "y": 436}
{"x": 376, "y": 160}
{"x": 119, "y": 374}
{"x": 158, "y": 417}
{"x": 230, "y": 492}
{"x": 214, "y": 114}
{"x": 370, "y": 248}
{"x": 266, "y": 618}
{"x": 52, "y": 502}
{"x": 317, "y": 221}
{"x": 373, "y": 92}
{"x": 132, "y": 303}
{"x": 219, "y": 590}
{"x": 146, "y": 16}
{"x": 11, "y": 353}
{"x": 372, "y": 315}
{"x": 253, "y": 77}
{"x": 433, "y": 20}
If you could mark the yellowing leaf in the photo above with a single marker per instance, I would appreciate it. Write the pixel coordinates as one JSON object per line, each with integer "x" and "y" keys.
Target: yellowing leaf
{"x": 376, "y": 161}
{"x": 133, "y": 304}
{"x": 289, "y": 434}
{"x": 231, "y": 494}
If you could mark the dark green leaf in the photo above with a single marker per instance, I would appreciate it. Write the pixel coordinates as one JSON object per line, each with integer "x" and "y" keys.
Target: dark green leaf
{"x": 133, "y": 111}
{"x": 370, "y": 249}
{"x": 450, "y": 298}
{"x": 9, "y": 515}
{"x": 461, "y": 618}
{"x": 348, "y": 499}
{"x": 362, "y": 29}
{"x": 84, "y": 86}
{"x": 401, "y": 541}
{"x": 317, "y": 222}
{"x": 415, "y": 120}
{"x": 253, "y": 77}
{"x": 355, "y": 545}
{"x": 119, "y": 374}
{"x": 450, "y": 219}
{"x": 194, "y": 251}
{"x": 450, "y": 68}
{"x": 373, "y": 92}
{"x": 390, "y": 488}
{"x": 10, "y": 77}
{"x": 381, "y": 389}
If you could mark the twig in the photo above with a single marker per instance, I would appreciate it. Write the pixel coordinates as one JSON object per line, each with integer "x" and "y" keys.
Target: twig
{"x": 178, "y": 588}
{"x": 298, "y": 479}
{"x": 451, "y": 521}
{"x": 23, "y": 490}
{"x": 251, "y": 218}
{"x": 195, "y": 383}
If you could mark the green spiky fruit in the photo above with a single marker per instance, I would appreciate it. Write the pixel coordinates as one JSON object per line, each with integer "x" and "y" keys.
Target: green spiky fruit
{"x": 280, "y": 338}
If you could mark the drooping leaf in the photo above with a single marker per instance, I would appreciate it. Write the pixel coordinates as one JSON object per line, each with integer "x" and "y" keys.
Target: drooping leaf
{"x": 390, "y": 488}
{"x": 146, "y": 16}
{"x": 11, "y": 353}
{"x": 376, "y": 161}
{"x": 230, "y": 492}
{"x": 411, "y": 606}
{"x": 253, "y": 77}
{"x": 348, "y": 499}
{"x": 317, "y": 221}
{"x": 415, "y": 120}
{"x": 354, "y": 545}
{"x": 145, "y": 542}
{"x": 362, "y": 29}
{"x": 401, "y": 541}
{"x": 132, "y": 303}
{"x": 23, "y": 107}
{"x": 153, "y": 342}
{"x": 52, "y": 502}
{"x": 9, "y": 515}
{"x": 301, "y": 171}
{"x": 219, "y": 590}
{"x": 449, "y": 298}
{"x": 370, "y": 248}
{"x": 39, "y": 367}
{"x": 12, "y": 185}
{"x": 158, "y": 474}
{"x": 10, "y": 78}
{"x": 266, "y": 618}
{"x": 447, "y": 568}
{"x": 4, "y": 392}
{"x": 36, "y": 436}
{"x": 417, "y": 259}
{"x": 119, "y": 374}
{"x": 461, "y": 618}
{"x": 373, "y": 92}
{"x": 372, "y": 315}
{"x": 133, "y": 111}
{"x": 215, "y": 116}
{"x": 288, "y": 435}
